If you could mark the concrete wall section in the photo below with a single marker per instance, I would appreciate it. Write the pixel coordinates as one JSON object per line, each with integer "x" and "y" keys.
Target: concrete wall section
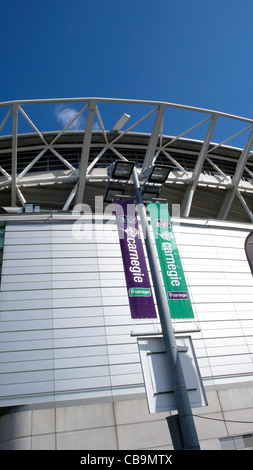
{"x": 124, "y": 424}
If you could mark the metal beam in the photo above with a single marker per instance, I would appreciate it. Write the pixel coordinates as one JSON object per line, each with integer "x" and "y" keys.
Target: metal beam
{"x": 5, "y": 119}
{"x": 188, "y": 197}
{"x": 92, "y": 164}
{"x": 245, "y": 206}
{"x": 203, "y": 151}
{"x": 70, "y": 198}
{"x": 32, "y": 124}
{"x": 68, "y": 125}
{"x": 14, "y": 154}
{"x": 30, "y": 165}
{"x": 63, "y": 160}
{"x": 85, "y": 152}
{"x": 185, "y": 132}
{"x": 226, "y": 205}
{"x": 150, "y": 153}
{"x": 176, "y": 163}
{"x": 122, "y": 101}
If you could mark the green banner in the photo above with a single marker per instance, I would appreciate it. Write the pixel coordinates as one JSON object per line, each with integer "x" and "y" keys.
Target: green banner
{"x": 172, "y": 272}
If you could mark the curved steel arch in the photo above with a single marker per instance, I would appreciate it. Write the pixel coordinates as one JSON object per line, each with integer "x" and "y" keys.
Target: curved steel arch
{"x": 156, "y": 143}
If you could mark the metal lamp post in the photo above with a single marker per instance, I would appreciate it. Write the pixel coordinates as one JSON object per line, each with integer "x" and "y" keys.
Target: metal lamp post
{"x": 187, "y": 428}
{"x": 186, "y": 421}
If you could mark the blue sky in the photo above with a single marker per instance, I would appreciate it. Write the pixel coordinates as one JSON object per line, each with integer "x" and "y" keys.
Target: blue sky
{"x": 194, "y": 52}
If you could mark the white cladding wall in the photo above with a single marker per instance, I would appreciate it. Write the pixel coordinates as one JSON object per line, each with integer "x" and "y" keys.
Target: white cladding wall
{"x": 65, "y": 321}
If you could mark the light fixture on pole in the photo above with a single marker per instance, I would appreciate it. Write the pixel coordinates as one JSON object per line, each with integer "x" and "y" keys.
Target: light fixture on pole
{"x": 156, "y": 174}
{"x": 113, "y": 190}
{"x": 150, "y": 192}
{"x": 120, "y": 172}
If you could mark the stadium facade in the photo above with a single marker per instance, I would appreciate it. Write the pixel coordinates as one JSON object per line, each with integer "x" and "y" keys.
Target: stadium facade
{"x": 70, "y": 362}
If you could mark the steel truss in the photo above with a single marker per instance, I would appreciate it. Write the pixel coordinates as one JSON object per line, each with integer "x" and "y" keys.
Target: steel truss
{"x": 158, "y": 144}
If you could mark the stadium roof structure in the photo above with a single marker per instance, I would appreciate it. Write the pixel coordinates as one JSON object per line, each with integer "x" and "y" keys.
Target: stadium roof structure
{"x": 58, "y": 169}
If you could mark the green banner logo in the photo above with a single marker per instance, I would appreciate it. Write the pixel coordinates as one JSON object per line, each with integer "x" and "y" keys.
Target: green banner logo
{"x": 139, "y": 292}
{"x": 172, "y": 272}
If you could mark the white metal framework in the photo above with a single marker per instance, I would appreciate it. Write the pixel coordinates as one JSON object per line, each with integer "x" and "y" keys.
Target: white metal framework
{"x": 230, "y": 171}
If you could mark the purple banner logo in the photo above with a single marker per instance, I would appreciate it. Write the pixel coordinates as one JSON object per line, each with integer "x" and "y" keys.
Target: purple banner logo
{"x": 127, "y": 219}
{"x": 178, "y": 295}
{"x": 137, "y": 278}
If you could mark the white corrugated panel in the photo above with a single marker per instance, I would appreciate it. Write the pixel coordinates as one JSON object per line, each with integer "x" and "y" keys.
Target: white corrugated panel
{"x": 65, "y": 319}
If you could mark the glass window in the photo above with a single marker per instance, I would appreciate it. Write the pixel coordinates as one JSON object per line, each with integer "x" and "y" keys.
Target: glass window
{"x": 248, "y": 440}
{"x": 237, "y": 442}
{"x": 227, "y": 443}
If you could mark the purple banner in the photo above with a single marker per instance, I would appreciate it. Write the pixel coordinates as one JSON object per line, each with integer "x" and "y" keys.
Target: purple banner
{"x": 249, "y": 250}
{"x": 137, "y": 279}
